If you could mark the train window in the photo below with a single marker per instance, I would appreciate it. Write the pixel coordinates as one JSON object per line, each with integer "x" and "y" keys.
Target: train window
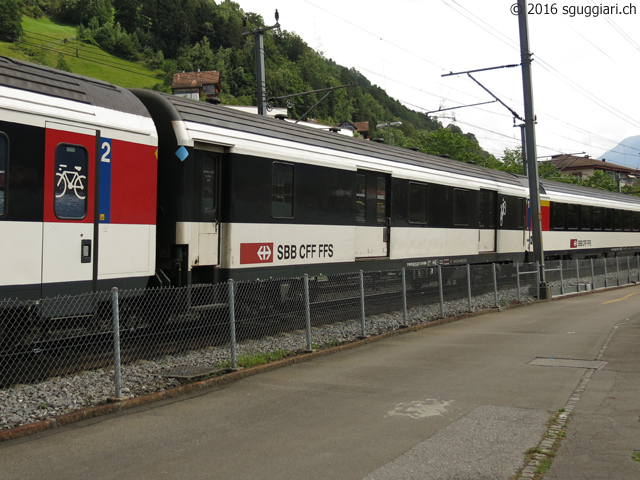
{"x": 71, "y": 184}
{"x": 586, "y": 217}
{"x": 208, "y": 185}
{"x": 626, "y": 220}
{"x": 4, "y": 149}
{"x": 361, "y": 195}
{"x": 417, "y": 203}
{"x": 598, "y": 216}
{"x": 522, "y": 210}
{"x": 282, "y": 190}
{"x": 572, "y": 216}
{"x": 618, "y": 219}
{"x": 487, "y": 209}
{"x": 557, "y": 215}
{"x": 460, "y": 207}
{"x": 608, "y": 219}
{"x": 381, "y": 199}
{"x": 635, "y": 222}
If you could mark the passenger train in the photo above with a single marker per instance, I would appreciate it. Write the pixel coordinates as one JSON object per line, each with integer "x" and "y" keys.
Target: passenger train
{"x": 101, "y": 186}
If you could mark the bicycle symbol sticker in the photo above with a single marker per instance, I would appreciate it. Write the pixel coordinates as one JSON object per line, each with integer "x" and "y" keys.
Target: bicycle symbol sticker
{"x": 70, "y": 180}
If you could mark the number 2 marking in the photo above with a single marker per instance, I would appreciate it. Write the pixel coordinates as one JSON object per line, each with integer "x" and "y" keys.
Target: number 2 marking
{"x": 106, "y": 156}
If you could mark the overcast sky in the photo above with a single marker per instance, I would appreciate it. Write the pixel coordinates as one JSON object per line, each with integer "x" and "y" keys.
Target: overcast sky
{"x": 586, "y": 69}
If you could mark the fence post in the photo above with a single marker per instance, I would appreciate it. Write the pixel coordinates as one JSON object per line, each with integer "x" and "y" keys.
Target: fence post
{"x": 578, "y": 274}
{"x": 518, "y": 279}
{"x": 561, "y": 279}
{"x": 440, "y": 287}
{"x": 605, "y": 273}
{"x": 628, "y": 270}
{"x": 307, "y": 307}
{"x": 116, "y": 342}
{"x": 593, "y": 276}
{"x": 364, "y": 328}
{"x": 404, "y": 297}
{"x": 232, "y": 323}
{"x": 469, "y": 286}
{"x": 495, "y": 285}
{"x": 538, "y": 278}
{"x": 618, "y": 271}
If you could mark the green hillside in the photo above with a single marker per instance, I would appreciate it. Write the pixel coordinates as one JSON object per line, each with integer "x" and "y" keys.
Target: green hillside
{"x": 54, "y": 44}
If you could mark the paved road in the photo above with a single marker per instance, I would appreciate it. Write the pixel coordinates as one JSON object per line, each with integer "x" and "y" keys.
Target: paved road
{"x": 458, "y": 401}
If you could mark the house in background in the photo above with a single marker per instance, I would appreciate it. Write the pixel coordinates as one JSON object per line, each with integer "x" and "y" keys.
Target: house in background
{"x": 361, "y": 127}
{"x": 195, "y": 85}
{"x": 584, "y": 167}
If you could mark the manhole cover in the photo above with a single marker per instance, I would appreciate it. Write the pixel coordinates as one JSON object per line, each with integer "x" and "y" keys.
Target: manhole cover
{"x": 567, "y": 362}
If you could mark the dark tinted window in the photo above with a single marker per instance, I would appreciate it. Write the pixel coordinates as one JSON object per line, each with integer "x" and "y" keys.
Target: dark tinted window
{"x": 522, "y": 212}
{"x": 598, "y": 218}
{"x": 282, "y": 192}
{"x": 608, "y": 219}
{"x": 71, "y": 182}
{"x": 417, "y": 203}
{"x": 208, "y": 185}
{"x": 626, "y": 220}
{"x": 586, "y": 214}
{"x": 618, "y": 217}
{"x": 572, "y": 216}
{"x": 4, "y": 154}
{"x": 557, "y": 215}
{"x": 381, "y": 199}
{"x": 487, "y": 209}
{"x": 460, "y": 207}
{"x": 361, "y": 196}
{"x": 635, "y": 224}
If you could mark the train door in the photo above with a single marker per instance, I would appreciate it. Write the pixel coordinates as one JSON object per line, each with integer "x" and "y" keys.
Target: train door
{"x": 208, "y": 227}
{"x": 487, "y": 224}
{"x": 372, "y": 214}
{"x": 68, "y": 252}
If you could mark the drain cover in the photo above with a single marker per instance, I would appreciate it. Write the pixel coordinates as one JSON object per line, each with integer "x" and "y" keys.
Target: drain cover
{"x": 567, "y": 362}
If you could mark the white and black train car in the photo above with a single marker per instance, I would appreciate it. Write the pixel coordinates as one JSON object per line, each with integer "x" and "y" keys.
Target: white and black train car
{"x": 102, "y": 186}
{"x": 243, "y": 196}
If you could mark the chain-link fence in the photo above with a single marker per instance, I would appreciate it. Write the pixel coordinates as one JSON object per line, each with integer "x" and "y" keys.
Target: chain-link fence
{"x": 145, "y": 340}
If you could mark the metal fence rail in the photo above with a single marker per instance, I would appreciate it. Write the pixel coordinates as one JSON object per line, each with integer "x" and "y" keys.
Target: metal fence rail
{"x": 198, "y": 329}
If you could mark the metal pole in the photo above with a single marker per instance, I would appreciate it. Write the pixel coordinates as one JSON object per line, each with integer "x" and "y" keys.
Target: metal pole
{"x": 307, "y": 307}
{"x": 116, "y": 342}
{"x": 518, "y": 279}
{"x": 530, "y": 141}
{"x": 593, "y": 276}
{"x": 628, "y": 270}
{"x": 538, "y": 278}
{"x": 605, "y": 273}
{"x": 561, "y": 279}
{"x": 469, "y": 286}
{"x": 441, "y": 292}
{"x": 578, "y": 274}
{"x": 364, "y": 328}
{"x": 618, "y": 271}
{"x": 404, "y": 297}
{"x": 232, "y": 323}
{"x": 495, "y": 285}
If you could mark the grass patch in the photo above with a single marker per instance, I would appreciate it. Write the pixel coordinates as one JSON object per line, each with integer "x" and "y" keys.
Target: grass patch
{"x": 46, "y": 42}
{"x": 254, "y": 359}
{"x": 636, "y": 456}
{"x": 543, "y": 466}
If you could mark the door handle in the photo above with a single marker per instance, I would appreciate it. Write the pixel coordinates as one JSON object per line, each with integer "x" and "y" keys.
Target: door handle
{"x": 85, "y": 251}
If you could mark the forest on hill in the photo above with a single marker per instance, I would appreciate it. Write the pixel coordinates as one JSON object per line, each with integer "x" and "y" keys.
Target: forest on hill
{"x": 171, "y": 36}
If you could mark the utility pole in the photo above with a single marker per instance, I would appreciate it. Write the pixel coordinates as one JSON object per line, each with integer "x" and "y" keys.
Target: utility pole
{"x": 258, "y": 51}
{"x": 530, "y": 142}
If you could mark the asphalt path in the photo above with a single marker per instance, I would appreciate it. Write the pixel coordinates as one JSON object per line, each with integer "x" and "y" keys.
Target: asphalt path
{"x": 456, "y": 401}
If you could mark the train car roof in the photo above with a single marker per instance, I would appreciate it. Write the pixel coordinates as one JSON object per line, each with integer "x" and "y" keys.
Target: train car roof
{"x": 67, "y": 86}
{"x": 175, "y": 108}
{"x": 551, "y": 186}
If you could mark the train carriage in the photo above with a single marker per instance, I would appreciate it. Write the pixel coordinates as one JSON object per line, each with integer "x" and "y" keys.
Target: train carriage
{"x": 78, "y": 191}
{"x": 243, "y": 196}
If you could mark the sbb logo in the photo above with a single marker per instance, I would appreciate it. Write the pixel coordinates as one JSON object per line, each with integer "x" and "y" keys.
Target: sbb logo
{"x": 256, "y": 253}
